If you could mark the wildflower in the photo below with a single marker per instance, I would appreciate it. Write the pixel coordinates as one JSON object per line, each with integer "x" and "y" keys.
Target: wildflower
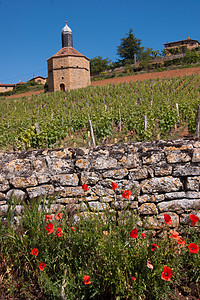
{"x": 126, "y": 194}
{"x": 153, "y": 247}
{"x": 133, "y": 278}
{"x": 85, "y": 187}
{"x": 174, "y": 234}
{"x": 134, "y": 233}
{"x": 41, "y": 266}
{"x": 180, "y": 241}
{"x": 34, "y": 251}
{"x": 73, "y": 228}
{"x": 149, "y": 265}
{"x": 194, "y": 219}
{"x": 114, "y": 185}
{"x": 168, "y": 219}
{"x": 193, "y": 248}
{"x": 87, "y": 279}
{"x": 143, "y": 235}
{"x": 58, "y": 217}
{"x": 166, "y": 274}
{"x": 48, "y": 217}
{"x": 59, "y": 232}
{"x": 50, "y": 228}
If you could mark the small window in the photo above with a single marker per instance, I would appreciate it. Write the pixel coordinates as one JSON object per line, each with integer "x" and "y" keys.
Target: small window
{"x": 61, "y": 67}
{"x": 62, "y": 77}
{"x": 62, "y": 87}
{"x": 6, "y": 87}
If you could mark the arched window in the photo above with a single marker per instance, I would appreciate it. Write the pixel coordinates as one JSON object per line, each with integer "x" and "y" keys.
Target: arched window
{"x": 62, "y": 87}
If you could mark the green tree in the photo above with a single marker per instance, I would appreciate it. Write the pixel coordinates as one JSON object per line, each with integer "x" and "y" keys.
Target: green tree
{"x": 98, "y": 65}
{"x": 129, "y": 46}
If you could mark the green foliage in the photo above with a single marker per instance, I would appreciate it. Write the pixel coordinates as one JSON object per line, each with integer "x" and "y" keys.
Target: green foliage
{"x": 129, "y": 46}
{"x": 99, "y": 247}
{"x": 98, "y": 65}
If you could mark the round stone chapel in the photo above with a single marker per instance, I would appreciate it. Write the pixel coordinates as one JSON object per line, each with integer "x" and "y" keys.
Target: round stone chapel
{"x": 68, "y": 69}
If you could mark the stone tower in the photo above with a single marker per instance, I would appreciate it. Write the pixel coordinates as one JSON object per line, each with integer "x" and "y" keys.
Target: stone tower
{"x": 68, "y": 69}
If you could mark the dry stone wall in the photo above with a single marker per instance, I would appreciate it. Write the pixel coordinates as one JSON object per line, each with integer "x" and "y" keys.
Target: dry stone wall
{"x": 163, "y": 177}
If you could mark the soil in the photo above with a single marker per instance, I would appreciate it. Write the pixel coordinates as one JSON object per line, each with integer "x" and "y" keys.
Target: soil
{"x": 137, "y": 77}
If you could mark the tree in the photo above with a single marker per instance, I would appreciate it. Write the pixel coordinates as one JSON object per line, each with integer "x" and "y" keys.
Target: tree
{"x": 98, "y": 65}
{"x": 129, "y": 46}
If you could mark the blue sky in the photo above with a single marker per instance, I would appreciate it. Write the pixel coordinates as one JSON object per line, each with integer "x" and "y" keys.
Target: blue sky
{"x": 30, "y": 31}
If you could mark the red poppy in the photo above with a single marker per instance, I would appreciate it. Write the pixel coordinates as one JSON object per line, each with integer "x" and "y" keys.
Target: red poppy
{"x": 73, "y": 228}
{"x": 58, "y": 217}
{"x": 34, "y": 251}
{"x": 126, "y": 194}
{"x": 59, "y": 232}
{"x": 134, "y": 233}
{"x": 153, "y": 247}
{"x": 41, "y": 266}
{"x": 133, "y": 278}
{"x": 85, "y": 187}
{"x": 180, "y": 241}
{"x": 114, "y": 185}
{"x": 143, "y": 235}
{"x": 50, "y": 228}
{"x": 166, "y": 274}
{"x": 87, "y": 279}
{"x": 174, "y": 234}
{"x": 168, "y": 219}
{"x": 193, "y": 248}
{"x": 48, "y": 217}
{"x": 194, "y": 219}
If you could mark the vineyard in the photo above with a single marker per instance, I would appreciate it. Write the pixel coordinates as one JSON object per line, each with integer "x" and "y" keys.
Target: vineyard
{"x": 134, "y": 111}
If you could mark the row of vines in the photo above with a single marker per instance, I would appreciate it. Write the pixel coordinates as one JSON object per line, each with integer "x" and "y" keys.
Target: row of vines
{"x": 123, "y": 106}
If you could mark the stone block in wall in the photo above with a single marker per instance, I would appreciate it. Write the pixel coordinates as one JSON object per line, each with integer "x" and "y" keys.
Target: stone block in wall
{"x": 175, "y": 195}
{"x": 180, "y": 206}
{"x": 60, "y": 153}
{"x": 103, "y": 163}
{"x": 16, "y": 194}
{"x": 161, "y": 185}
{"x": 40, "y": 165}
{"x": 59, "y": 166}
{"x": 39, "y": 191}
{"x": 115, "y": 174}
{"x": 82, "y": 163}
{"x": 98, "y": 206}
{"x": 192, "y": 183}
{"x": 119, "y": 205}
{"x": 186, "y": 170}
{"x": 4, "y": 184}
{"x": 196, "y": 155}
{"x": 148, "y": 209}
{"x": 138, "y": 174}
{"x": 65, "y": 179}
{"x": 178, "y": 157}
{"x": 185, "y": 220}
{"x": 157, "y": 222}
{"x": 100, "y": 191}
{"x": 106, "y": 199}
{"x": 130, "y": 161}
{"x": 42, "y": 178}
{"x": 24, "y": 182}
{"x": 192, "y": 195}
{"x": 2, "y": 196}
{"x": 90, "y": 177}
{"x": 163, "y": 170}
{"x": 151, "y": 198}
{"x": 3, "y": 209}
{"x": 150, "y": 159}
{"x": 17, "y": 167}
{"x": 71, "y": 191}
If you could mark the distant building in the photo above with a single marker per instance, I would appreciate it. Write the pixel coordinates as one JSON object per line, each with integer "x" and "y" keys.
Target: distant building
{"x": 39, "y": 79}
{"x": 4, "y": 87}
{"x": 68, "y": 69}
{"x": 177, "y": 47}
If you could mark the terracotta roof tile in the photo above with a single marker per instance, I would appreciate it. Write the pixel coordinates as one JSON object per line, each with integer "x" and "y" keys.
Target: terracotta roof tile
{"x": 66, "y": 51}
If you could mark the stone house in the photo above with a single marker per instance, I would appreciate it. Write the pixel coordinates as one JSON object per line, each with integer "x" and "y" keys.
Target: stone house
{"x": 39, "y": 79}
{"x": 177, "y": 47}
{"x": 68, "y": 69}
{"x": 4, "y": 87}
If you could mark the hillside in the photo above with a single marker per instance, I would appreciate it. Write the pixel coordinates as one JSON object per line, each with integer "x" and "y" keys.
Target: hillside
{"x": 129, "y": 111}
